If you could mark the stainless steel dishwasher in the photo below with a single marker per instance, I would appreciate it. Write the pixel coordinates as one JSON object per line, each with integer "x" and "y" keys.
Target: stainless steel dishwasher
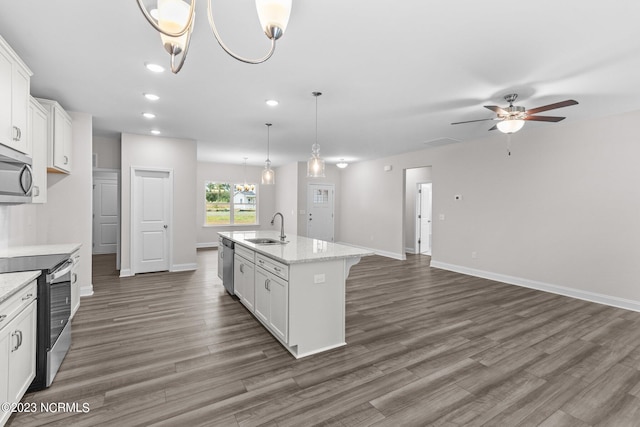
{"x": 227, "y": 265}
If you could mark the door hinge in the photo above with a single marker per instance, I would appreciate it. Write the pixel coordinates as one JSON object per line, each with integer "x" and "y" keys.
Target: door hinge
{"x": 419, "y": 241}
{"x": 419, "y": 216}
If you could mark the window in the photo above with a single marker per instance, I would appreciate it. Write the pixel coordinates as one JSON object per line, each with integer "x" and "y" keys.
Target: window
{"x": 227, "y": 204}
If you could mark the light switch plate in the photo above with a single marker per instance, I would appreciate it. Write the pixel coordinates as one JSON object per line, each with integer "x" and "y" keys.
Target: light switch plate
{"x": 319, "y": 278}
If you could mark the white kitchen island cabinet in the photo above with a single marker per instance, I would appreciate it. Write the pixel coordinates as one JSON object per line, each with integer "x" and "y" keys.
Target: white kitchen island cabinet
{"x": 299, "y": 288}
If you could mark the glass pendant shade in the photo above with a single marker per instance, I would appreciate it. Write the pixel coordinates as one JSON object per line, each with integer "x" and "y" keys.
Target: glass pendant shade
{"x": 274, "y": 16}
{"x": 510, "y": 125}
{"x": 173, "y": 16}
{"x": 268, "y": 175}
{"x": 315, "y": 167}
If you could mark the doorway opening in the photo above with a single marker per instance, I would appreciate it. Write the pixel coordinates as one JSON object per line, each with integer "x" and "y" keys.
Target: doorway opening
{"x": 418, "y": 211}
{"x": 320, "y": 215}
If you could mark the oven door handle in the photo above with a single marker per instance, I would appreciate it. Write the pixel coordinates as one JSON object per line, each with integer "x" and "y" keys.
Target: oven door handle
{"x": 60, "y": 272}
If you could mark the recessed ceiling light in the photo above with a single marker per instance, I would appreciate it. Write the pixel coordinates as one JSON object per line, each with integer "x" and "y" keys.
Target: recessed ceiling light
{"x": 151, "y": 97}
{"x": 342, "y": 164}
{"x": 272, "y": 102}
{"x": 149, "y": 115}
{"x": 154, "y": 67}
{"x": 155, "y": 131}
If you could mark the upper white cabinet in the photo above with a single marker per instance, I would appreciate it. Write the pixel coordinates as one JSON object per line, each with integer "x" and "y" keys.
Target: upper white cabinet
{"x": 59, "y": 129}
{"x": 15, "y": 81}
{"x": 38, "y": 141}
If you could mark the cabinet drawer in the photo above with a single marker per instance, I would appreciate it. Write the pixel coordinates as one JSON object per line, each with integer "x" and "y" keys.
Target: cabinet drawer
{"x": 273, "y": 266}
{"x": 248, "y": 254}
{"x": 17, "y": 303}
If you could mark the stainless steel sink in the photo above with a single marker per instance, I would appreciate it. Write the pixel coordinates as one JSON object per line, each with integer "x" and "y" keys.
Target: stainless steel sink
{"x": 266, "y": 241}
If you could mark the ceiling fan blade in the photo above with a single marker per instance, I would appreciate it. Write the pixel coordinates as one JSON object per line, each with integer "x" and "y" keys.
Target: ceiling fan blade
{"x": 544, "y": 118}
{"x": 471, "y": 121}
{"x": 496, "y": 109}
{"x": 494, "y": 127}
{"x": 566, "y": 103}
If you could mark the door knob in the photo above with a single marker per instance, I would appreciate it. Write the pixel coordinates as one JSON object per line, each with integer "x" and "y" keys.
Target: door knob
{"x": 166, "y": 226}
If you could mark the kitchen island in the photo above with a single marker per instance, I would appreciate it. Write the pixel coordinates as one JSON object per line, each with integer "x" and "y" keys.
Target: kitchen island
{"x": 295, "y": 289}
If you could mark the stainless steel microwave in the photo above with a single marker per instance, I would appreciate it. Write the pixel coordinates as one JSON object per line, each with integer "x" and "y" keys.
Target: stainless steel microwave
{"x": 16, "y": 179}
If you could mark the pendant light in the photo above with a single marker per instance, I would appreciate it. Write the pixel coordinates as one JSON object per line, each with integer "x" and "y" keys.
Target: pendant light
{"x": 268, "y": 175}
{"x": 315, "y": 165}
{"x": 174, "y": 20}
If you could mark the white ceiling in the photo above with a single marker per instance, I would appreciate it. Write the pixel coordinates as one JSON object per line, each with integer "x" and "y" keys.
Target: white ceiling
{"x": 394, "y": 74}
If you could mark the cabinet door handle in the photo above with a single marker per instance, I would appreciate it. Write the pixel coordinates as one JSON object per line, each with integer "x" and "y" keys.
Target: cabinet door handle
{"x": 2, "y": 317}
{"x": 267, "y": 284}
{"x": 36, "y": 191}
{"x": 261, "y": 261}
{"x": 75, "y": 278}
{"x": 17, "y": 133}
{"x": 242, "y": 268}
{"x": 26, "y": 297}
{"x": 18, "y": 335}
{"x": 277, "y": 269}
{"x": 66, "y": 160}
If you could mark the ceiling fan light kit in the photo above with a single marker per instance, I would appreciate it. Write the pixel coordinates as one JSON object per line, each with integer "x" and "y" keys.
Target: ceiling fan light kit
{"x": 511, "y": 119}
{"x": 174, "y": 20}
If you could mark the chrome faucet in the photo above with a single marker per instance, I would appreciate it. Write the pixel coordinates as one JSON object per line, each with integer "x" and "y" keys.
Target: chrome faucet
{"x": 282, "y": 236}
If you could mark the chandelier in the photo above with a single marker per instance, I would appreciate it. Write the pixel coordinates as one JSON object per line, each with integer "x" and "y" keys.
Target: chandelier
{"x": 174, "y": 20}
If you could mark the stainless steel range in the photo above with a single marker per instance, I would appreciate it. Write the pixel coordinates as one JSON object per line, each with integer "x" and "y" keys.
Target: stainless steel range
{"x": 54, "y": 311}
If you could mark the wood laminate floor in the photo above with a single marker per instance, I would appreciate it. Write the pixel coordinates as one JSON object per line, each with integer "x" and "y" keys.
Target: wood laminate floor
{"x": 425, "y": 347}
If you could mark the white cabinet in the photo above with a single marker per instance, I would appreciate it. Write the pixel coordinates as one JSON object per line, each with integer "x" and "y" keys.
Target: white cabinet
{"x": 75, "y": 284}
{"x": 220, "y": 257}
{"x": 38, "y": 142}
{"x": 272, "y": 303}
{"x": 244, "y": 277}
{"x": 17, "y": 346}
{"x": 22, "y": 353}
{"x": 59, "y": 137}
{"x": 15, "y": 80}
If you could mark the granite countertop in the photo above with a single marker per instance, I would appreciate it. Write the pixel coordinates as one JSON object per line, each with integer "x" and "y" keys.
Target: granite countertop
{"x": 38, "y": 250}
{"x": 298, "y": 249}
{"x": 10, "y": 283}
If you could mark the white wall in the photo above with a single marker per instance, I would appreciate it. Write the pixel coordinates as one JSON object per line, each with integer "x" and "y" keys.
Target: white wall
{"x": 414, "y": 176}
{"x": 235, "y": 174}
{"x": 108, "y": 152}
{"x": 287, "y": 196}
{"x": 562, "y": 211}
{"x": 176, "y": 154}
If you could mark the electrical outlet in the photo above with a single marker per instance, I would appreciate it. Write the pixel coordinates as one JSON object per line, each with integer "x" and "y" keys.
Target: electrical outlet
{"x": 441, "y": 217}
{"x": 319, "y": 278}
{"x": 474, "y": 254}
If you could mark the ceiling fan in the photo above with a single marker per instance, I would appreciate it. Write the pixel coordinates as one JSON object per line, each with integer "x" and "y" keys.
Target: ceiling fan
{"x": 512, "y": 118}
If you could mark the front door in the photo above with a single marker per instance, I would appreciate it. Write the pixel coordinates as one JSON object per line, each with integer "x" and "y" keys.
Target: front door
{"x": 320, "y": 199}
{"x": 152, "y": 201}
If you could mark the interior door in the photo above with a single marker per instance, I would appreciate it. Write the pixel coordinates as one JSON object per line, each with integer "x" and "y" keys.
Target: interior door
{"x": 106, "y": 216}
{"x": 425, "y": 218}
{"x": 320, "y": 221}
{"x": 152, "y": 201}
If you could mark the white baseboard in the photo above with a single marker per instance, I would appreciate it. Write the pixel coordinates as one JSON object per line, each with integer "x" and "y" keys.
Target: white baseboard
{"x": 380, "y": 252}
{"x": 541, "y": 286}
{"x": 125, "y": 272}
{"x": 410, "y": 251}
{"x": 184, "y": 267}
{"x": 206, "y": 245}
{"x": 86, "y": 290}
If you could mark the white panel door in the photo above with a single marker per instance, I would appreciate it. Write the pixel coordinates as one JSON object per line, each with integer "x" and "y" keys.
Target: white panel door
{"x": 320, "y": 199}
{"x": 106, "y": 216}
{"x": 151, "y": 216}
{"x": 425, "y": 218}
